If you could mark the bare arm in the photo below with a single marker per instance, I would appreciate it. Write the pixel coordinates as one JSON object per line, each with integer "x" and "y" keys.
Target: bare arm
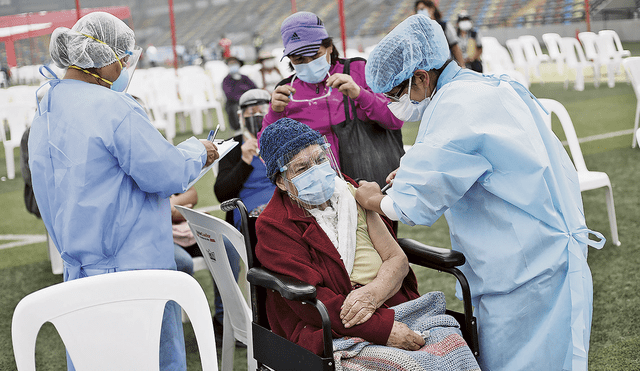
{"x": 361, "y": 303}
{"x": 457, "y": 54}
{"x": 188, "y": 199}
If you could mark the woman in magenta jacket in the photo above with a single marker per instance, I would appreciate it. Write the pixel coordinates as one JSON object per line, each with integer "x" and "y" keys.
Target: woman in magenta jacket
{"x": 314, "y": 94}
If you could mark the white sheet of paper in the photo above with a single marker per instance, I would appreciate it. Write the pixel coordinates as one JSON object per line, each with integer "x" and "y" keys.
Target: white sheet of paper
{"x": 223, "y": 148}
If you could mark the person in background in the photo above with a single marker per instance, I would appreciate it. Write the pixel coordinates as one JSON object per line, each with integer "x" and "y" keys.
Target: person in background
{"x": 429, "y": 8}
{"x": 225, "y": 47}
{"x": 485, "y": 158}
{"x": 234, "y": 85}
{"x": 470, "y": 42}
{"x": 241, "y": 174}
{"x": 314, "y": 93}
{"x": 271, "y": 75}
{"x": 101, "y": 172}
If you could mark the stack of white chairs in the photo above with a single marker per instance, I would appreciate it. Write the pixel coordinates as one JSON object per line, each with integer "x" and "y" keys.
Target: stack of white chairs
{"x": 519, "y": 59}
{"x": 17, "y": 109}
{"x": 533, "y": 53}
{"x": 576, "y": 61}
{"x": 598, "y": 50}
{"x": 552, "y": 41}
{"x": 190, "y": 92}
{"x": 199, "y": 97}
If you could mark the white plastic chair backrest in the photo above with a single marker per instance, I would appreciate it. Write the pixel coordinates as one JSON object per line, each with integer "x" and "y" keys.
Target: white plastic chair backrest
{"x": 572, "y": 51}
{"x": 606, "y": 48}
{"x": 517, "y": 53}
{"x": 208, "y": 231}
{"x": 18, "y": 116}
{"x": 632, "y": 66}
{"x": 553, "y": 106}
{"x": 532, "y": 50}
{"x": 552, "y": 41}
{"x": 588, "y": 40}
{"x": 616, "y": 40}
{"x": 495, "y": 55}
{"x": 112, "y": 321}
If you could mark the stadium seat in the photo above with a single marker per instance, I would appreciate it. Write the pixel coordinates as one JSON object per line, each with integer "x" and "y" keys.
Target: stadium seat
{"x": 588, "y": 179}
{"x": 112, "y": 321}
{"x": 209, "y": 231}
{"x": 632, "y": 66}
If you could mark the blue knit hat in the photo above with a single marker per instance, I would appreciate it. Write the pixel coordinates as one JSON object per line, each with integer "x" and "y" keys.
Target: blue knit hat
{"x": 281, "y": 141}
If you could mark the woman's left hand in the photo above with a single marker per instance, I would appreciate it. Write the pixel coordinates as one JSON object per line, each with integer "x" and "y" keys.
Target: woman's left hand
{"x": 358, "y": 307}
{"x": 345, "y": 84}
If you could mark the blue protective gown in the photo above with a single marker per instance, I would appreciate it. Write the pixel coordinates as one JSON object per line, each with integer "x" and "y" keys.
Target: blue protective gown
{"x": 102, "y": 176}
{"x": 484, "y": 157}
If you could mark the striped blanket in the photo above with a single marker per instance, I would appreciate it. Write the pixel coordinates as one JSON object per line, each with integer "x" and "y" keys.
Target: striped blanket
{"x": 445, "y": 349}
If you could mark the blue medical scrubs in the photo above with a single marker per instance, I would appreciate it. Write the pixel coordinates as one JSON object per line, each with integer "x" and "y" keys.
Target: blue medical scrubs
{"x": 484, "y": 158}
{"x": 102, "y": 177}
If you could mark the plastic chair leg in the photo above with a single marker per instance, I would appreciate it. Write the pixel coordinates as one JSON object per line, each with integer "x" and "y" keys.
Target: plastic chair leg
{"x": 635, "y": 126}
{"x": 579, "y": 84}
{"x": 228, "y": 345}
{"x": 11, "y": 170}
{"x": 612, "y": 216}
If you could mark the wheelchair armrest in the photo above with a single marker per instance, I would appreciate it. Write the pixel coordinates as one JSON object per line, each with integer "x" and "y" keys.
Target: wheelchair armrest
{"x": 429, "y": 256}
{"x": 289, "y": 288}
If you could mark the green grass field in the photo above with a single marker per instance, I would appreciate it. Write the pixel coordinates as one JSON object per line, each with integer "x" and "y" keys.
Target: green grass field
{"x": 615, "y": 337}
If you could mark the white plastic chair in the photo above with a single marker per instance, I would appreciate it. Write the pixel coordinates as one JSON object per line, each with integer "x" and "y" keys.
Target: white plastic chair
{"x": 598, "y": 50}
{"x": 112, "y": 321}
{"x": 552, "y": 41}
{"x": 613, "y": 35}
{"x": 575, "y": 59}
{"x": 18, "y": 116}
{"x": 519, "y": 59}
{"x": 533, "y": 53}
{"x": 632, "y": 66}
{"x": 208, "y": 231}
{"x": 588, "y": 179}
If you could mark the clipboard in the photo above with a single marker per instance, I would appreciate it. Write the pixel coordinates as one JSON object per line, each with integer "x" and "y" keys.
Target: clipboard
{"x": 224, "y": 147}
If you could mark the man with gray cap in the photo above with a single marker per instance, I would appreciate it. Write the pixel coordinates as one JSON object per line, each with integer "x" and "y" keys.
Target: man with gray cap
{"x": 485, "y": 159}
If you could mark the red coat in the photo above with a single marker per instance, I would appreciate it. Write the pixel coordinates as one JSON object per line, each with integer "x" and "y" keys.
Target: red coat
{"x": 293, "y": 244}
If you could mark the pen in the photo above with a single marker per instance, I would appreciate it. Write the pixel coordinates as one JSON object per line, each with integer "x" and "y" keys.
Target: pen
{"x": 384, "y": 189}
{"x": 213, "y": 133}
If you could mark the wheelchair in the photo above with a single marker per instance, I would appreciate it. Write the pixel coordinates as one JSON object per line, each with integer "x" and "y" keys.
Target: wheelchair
{"x": 272, "y": 351}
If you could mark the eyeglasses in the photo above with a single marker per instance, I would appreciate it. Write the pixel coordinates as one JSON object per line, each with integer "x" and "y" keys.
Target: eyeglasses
{"x": 396, "y": 97}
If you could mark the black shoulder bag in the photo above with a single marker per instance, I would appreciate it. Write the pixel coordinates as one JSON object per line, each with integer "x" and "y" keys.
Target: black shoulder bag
{"x": 367, "y": 150}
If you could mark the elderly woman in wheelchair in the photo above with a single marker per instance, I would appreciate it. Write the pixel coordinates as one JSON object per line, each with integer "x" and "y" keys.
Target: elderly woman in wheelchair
{"x": 314, "y": 231}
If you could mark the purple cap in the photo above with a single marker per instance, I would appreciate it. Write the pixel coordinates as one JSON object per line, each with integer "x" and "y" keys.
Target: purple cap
{"x": 302, "y": 34}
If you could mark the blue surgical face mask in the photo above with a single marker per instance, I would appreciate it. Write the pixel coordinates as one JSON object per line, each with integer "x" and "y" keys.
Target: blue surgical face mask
{"x": 314, "y": 71}
{"x": 121, "y": 82}
{"x": 424, "y": 12}
{"x": 234, "y": 68}
{"x": 316, "y": 185}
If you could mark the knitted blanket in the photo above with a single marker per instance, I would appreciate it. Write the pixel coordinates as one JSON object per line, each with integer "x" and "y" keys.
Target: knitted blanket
{"x": 445, "y": 349}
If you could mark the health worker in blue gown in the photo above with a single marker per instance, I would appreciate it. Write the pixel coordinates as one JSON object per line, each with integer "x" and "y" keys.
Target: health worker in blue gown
{"x": 485, "y": 159}
{"x": 102, "y": 174}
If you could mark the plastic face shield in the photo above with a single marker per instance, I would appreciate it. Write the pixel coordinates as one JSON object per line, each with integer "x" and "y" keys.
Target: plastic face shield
{"x": 315, "y": 154}
{"x": 327, "y": 93}
{"x": 130, "y": 62}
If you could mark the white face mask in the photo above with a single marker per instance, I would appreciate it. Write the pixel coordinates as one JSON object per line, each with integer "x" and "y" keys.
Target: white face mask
{"x": 424, "y": 12}
{"x": 314, "y": 71}
{"x": 409, "y": 110}
{"x": 465, "y": 25}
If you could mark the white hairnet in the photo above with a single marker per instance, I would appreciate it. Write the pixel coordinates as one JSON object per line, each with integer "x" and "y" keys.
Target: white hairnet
{"x": 416, "y": 43}
{"x": 74, "y": 47}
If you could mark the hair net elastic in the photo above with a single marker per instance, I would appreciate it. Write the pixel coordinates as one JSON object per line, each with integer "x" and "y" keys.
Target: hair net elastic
{"x": 416, "y": 43}
{"x": 79, "y": 46}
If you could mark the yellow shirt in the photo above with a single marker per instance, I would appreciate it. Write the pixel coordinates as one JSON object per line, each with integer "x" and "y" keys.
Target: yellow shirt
{"x": 367, "y": 261}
